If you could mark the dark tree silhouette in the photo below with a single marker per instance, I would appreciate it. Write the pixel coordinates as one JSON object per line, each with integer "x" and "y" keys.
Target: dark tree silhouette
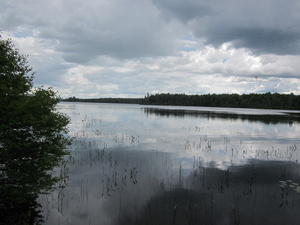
{"x": 33, "y": 137}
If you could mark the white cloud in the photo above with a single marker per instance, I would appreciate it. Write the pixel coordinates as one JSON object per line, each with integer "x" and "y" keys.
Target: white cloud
{"x": 116, "y": 48}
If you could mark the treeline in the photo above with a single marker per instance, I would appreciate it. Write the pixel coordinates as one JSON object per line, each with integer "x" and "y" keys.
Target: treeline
{"x": 263, "y": 101}
{"x": 106, "y": 100}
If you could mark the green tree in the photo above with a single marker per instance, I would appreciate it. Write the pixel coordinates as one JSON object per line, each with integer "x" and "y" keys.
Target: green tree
{"x": 33, "y": 140}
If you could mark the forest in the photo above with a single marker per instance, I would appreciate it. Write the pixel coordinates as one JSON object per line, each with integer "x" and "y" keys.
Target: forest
{"x": 105, "y": 100}
{"x": 261, "y": 101}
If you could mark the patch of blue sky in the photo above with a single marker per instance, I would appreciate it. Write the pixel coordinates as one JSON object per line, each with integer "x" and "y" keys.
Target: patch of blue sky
{"x": 22, "y": 33}
{"x": 225, "y": 60}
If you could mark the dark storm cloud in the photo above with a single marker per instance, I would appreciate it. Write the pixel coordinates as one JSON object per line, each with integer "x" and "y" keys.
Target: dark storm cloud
{"x": 263, "y": 27}
{"x": 183, "y": 10}
{"x": 259, "y": 40}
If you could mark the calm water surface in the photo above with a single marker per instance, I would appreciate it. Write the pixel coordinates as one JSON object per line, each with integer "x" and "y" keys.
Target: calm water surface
{"x": 133, "y": 164}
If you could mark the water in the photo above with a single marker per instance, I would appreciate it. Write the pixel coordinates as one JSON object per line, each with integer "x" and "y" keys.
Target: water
{"x": 133, "y": 164}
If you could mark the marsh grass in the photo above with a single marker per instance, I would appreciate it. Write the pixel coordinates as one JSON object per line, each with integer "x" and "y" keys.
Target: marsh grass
{"x": 156, "y": 188}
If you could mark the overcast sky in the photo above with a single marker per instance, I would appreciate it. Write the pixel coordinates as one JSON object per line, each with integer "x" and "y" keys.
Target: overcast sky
{"x": 126, "y": 48}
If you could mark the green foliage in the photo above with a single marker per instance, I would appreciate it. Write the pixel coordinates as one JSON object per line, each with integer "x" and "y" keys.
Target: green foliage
{"x": 263, "y": 101}
{"x": 33, "y": 137}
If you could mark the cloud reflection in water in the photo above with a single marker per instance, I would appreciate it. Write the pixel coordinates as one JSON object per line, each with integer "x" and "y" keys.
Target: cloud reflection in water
{"x": 143, "y": 168}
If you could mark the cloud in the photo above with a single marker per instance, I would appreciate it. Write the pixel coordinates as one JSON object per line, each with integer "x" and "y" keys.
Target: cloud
{"x": 185, "y": 11}
{"x": 114, "y": 48}
{"x": 47, "y": 64}
{"x": 119, "y": 29}
{"x": 263, "y": 27}
{"x": 85, "y": 30}
{"x": 259, "y": 40}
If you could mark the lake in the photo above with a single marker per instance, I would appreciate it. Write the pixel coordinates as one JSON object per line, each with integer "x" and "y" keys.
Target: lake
{"x": 137, "y": 164}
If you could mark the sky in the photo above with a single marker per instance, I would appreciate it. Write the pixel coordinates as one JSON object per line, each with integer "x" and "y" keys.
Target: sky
{"x": 128, "y": 48}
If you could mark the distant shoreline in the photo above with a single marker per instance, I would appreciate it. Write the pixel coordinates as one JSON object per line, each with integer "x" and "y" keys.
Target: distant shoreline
{"x": 105, "y": 100}
{"x": 260, "y": 101}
